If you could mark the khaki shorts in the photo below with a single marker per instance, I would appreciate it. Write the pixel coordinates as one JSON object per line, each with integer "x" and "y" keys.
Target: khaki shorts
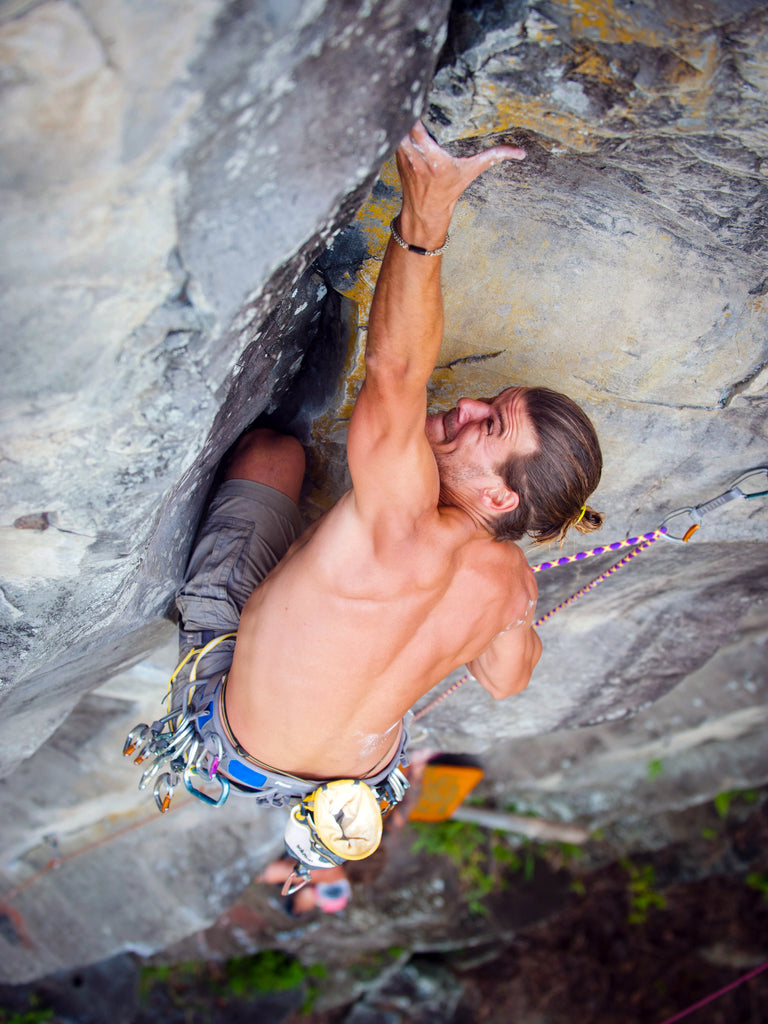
{"x": 247, "y": 530}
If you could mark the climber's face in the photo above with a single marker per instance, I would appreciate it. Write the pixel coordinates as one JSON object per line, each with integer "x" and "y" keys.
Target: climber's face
{"x": 471, "y": 442}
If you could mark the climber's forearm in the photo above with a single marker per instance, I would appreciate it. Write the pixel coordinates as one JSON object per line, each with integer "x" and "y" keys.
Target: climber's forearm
{"x": 505, "y": 667}
{"x": 405, "y": 328}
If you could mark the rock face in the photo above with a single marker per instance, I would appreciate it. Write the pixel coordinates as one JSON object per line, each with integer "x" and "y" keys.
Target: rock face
{"x": 169, "y": 174}
{"x": 173, "y": 176}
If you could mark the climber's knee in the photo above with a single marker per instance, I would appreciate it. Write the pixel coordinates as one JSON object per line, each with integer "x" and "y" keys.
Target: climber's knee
{"x": 270, "y": 458}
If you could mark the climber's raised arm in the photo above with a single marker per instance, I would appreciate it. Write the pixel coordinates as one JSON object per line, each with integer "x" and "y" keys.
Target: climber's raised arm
{"x": 386, "y": 436}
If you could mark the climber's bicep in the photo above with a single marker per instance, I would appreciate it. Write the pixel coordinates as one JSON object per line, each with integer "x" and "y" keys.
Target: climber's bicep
{"x": 391, "y": 464}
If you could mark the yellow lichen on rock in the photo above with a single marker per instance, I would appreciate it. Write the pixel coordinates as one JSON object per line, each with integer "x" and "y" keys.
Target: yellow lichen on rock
{"x": 602, "y": 19}
{"x": 373, "y": 219}
{"x": 495, "y": 111}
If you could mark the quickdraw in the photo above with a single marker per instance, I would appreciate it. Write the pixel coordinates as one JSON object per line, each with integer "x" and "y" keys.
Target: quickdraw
{"x": 173, "y": 743}
{"x": 740, "y": 488}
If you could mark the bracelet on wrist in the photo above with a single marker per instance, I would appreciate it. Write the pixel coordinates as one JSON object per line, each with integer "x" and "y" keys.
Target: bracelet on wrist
{"x": 417, "y": 248}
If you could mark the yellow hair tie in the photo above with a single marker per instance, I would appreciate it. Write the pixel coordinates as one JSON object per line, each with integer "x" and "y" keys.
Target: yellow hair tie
{"x": 581, "y": 514}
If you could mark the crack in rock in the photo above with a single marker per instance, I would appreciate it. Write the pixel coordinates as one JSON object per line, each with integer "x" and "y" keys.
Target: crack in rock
{"x": 477, "y": 358}
{"x": 732, "y": 390}
{"x": 600, "y": 388}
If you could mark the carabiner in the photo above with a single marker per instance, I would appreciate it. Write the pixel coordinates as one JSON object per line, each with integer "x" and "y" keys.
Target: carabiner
{"x": 174, "y": 743}
{"x": 135, "y": 738}
{"x": 733, "y": 492}
{"x": 688, "y": 511}
{"x": 759, "y": 471}
{"x": 168, "y": 781}
{"x": 150, "y": 772}
{"x": 213, "y": 802}
{"x": 297, "y": 879}
{"x": 697, "y": 512}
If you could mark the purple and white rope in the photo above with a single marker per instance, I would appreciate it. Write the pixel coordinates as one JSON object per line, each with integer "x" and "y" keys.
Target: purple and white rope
{"x": 630, "y": 542}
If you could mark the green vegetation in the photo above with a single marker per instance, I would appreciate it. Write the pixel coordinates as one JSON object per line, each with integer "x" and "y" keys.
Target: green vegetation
{"x": 655, "y": 768}
{"x": 33, "y": 1015}
{"x": 484, "y": 859}
{"x": 270, "y": 970}
{"x": 758, "y": 880}
{"x": 467, "y": 846}
{"x": 371, "y": 965}
{"x": 724, "y": 800}
{"x": 642, "y": 894}
{"x": 180, "y": 976}
{"x": 723, "y": 803}
{"x": 267, "y": 971}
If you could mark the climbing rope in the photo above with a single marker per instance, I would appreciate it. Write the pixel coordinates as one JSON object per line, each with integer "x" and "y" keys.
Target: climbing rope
{"x": 616, "y": 545}
{"x": 740, "y": 488}
{"x": 642, "y": 544}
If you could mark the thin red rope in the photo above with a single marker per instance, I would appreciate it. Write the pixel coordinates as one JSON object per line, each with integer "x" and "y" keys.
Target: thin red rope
{"x": 715, "y": 995}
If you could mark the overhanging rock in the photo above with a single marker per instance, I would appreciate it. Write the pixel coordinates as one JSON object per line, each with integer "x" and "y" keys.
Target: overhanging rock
{"x": 170, "y": 173}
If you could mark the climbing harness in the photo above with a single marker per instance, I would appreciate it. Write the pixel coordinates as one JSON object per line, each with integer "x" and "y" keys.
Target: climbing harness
{"x": 333, "y": 822}
{"x": 742, "y": 487}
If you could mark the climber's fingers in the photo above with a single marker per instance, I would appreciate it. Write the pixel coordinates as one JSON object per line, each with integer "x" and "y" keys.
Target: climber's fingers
{"x": 431, "y": 175}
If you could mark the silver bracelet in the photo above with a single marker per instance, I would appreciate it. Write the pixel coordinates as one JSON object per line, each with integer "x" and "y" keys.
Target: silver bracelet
{"x": 417, "y": 248}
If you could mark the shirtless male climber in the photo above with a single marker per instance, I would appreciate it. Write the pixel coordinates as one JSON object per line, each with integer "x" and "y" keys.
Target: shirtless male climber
{"x": 343, "y": 627}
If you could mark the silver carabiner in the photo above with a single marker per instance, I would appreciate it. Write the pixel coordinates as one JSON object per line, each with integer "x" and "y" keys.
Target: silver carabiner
{"x": 180, "y": 740}
{"x": 168, "y": 781}
{"x": 733, "y": 492}
{"x": 136, "y": 738}
{"x": 687, "y": 511}
{"x": 191, "y": 752}
{"x": 697, "y": 512}
{"x": 297, "y": 879}
{"x": 759, "y": 471}
{"x": 150, "y": 772}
